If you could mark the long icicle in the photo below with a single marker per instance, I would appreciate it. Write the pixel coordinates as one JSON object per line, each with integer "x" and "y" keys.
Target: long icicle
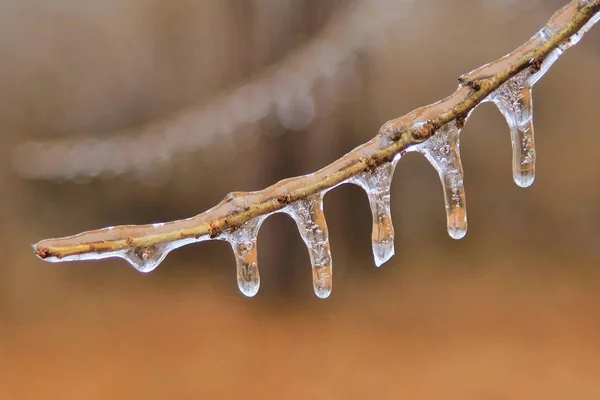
{"x": 377, "y": 184}
{"x": 442, "y": 151}
{"x": 310, "y": 219}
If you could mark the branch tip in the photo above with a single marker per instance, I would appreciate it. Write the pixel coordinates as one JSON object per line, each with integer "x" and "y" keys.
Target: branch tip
{"x": 41, "y": 253}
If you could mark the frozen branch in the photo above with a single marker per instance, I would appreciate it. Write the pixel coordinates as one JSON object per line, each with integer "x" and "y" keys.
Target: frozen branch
{"x": 507, "y": 82}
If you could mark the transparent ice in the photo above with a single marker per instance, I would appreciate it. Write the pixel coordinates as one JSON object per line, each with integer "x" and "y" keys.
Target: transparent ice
{"x": 377, "y": 185}
{"x": 442, "y": 151}
{"x": 243, "y": 243}
{"x": 310, "y": 219}
{"x": 515, "y": 102}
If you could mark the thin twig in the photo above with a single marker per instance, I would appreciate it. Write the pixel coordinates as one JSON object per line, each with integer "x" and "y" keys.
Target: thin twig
{"x": 394, "y": 137}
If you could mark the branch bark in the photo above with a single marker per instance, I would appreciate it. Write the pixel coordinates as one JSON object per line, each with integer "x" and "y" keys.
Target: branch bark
{"x": 392, "y": 140}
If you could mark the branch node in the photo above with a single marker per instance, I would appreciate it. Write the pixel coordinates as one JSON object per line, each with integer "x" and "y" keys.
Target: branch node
{"x": 232, "y": 196}
{"x": 426, "y": 131}
{"x": 535, "y": 64}
{"x": 214, "y": 230}
{"x": 474, "y": 84}
{"x": 284, "y": 198}
{"x": 370, "y": 163}
{"x": 390, "y": 131}
{"x": 234, "y": 227}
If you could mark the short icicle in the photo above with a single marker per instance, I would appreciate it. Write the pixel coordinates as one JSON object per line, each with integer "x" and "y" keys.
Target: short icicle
{"x": 515, "y": 102}
{"x": 442, "y": 151}
{"x": 310, "y": 219}
{"x": 377, "y": 185}
{"x": 243, "y": 243}
{"x": 145, "y": 259}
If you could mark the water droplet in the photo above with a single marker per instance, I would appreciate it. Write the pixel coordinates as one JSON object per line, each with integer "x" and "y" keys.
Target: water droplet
{"x": 310, "y": 219}
{"x": 145, "y": 259}
{"x": 377, "y": 185}
{"x": 442, "y": 151}
{"x": 243, "y": 243}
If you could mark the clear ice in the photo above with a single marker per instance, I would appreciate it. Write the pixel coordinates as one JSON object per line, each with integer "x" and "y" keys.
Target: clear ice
{"x": 310, "y": 219}
{"x": 515, "y": 102}
{"x": 377, "y": 185}
{"x": 243, "y": 243}
{"x": 442, "y": 151}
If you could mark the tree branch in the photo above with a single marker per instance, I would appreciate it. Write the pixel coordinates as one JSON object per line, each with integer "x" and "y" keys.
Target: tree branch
{"x": 563, "y": 30}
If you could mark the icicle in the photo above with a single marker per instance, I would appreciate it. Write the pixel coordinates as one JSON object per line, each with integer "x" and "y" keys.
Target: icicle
{"x": 145, "y": 259}
{"x": 377, "y": 185}
{"x": 442, "y": 151}
{"x": 515, "y": 102}
{"x": 310, "y": 219}
{"x": 243, "y": 243}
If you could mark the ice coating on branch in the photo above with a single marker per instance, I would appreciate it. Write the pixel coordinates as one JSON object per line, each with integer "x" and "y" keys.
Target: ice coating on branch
{"x": 561, "y": 19}
{"x": 243, "y": 243}
{"x": 558, "y": 21}
{"x": 310, "y": 219}
{"x": 143, "y": 258}
{"x": 515, "y": 102}
{"x": 146, "y": 246}
{"x": 575, "y": 38}
{"x": 442, "y": 151}
{"x": 377, "y": 185}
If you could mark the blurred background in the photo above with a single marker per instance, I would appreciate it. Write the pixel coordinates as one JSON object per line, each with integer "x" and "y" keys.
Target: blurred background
{"x": 139, "y": 111}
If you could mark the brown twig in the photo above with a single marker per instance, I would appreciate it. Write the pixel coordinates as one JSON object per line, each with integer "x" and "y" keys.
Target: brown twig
{"x": 394, "y": 137}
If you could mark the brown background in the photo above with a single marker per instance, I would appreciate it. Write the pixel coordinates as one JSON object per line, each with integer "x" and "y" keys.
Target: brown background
{"x": 510, "y": 312}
